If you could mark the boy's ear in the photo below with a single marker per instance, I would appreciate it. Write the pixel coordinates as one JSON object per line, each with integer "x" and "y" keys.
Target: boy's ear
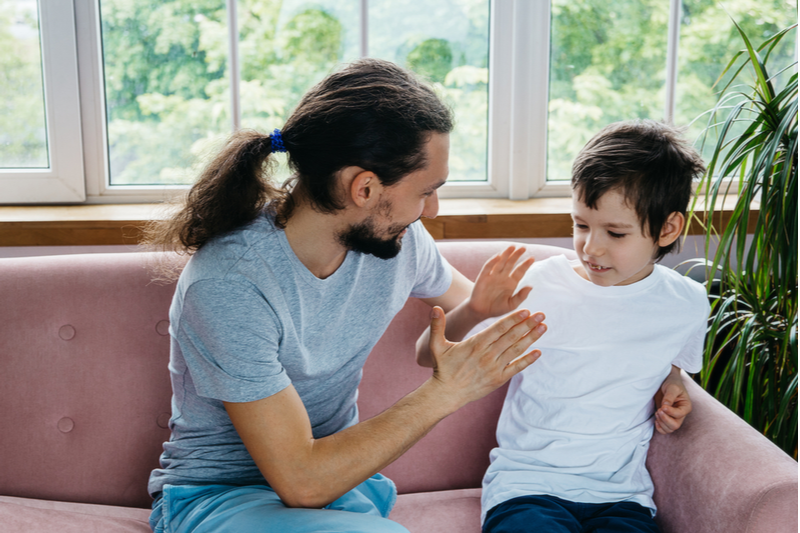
{"x": 671, "y": 229}
{"x": 364, "y": 187}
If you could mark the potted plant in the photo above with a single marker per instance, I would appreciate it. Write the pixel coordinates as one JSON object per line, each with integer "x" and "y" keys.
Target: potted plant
{"x": 750, "y": 359}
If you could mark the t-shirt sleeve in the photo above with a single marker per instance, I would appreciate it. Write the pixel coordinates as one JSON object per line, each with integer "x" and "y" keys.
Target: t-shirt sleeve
{"x": 690, "y": 357}
{"x": 434, "y": 274}
{"x": 229, "y": 336}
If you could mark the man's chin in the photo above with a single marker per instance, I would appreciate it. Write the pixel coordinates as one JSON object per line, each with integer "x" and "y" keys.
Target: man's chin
{"x": 365, "y": 242}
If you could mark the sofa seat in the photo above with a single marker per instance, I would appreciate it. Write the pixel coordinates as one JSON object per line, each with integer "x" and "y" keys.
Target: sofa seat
{"x": 431, "y": 512}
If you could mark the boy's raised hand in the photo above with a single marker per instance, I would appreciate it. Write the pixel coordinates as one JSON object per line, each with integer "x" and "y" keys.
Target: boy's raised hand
{"x": 494, "y": 290}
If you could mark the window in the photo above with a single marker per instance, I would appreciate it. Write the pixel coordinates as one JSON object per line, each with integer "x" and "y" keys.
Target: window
{"x": 40, "y": 129}
{"x": 163, "y": 82}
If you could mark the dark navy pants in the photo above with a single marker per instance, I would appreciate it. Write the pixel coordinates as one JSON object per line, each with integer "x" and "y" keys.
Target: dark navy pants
{"x": 548, "y": 514}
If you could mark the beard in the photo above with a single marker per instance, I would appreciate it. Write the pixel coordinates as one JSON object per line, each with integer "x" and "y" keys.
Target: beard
{"x": 363, "y": 238}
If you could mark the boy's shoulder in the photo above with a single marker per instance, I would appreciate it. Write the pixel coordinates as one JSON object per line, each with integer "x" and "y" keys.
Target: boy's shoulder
{"x": 682, "y": 285}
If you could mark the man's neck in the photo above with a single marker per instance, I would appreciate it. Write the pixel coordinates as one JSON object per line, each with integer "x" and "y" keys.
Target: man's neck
{"x": 313, "y": 237}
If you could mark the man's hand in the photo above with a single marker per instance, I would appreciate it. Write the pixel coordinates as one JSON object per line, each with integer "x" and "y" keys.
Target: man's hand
{"x": 473, "y": 368}
{"x": 493, "y": 293}
{"x": 672, "y": 403}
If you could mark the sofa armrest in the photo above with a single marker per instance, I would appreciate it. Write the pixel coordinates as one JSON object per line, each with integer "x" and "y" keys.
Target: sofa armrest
{"x": 718, "y": 474}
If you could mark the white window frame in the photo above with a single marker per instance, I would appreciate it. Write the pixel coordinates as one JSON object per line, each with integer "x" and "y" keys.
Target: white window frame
{"x": 63, "y": 180}
{"x": 517, "y": 122}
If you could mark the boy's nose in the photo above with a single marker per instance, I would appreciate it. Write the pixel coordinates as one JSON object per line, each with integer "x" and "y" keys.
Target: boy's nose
{"x": 592, "y": 247}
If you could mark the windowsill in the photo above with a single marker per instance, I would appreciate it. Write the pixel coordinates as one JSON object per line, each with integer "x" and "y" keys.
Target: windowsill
{"x": 115, "y": 224}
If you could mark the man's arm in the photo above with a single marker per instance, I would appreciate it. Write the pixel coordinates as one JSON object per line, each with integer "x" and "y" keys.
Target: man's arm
{"x": 468, "y": 304}
{"x": 308, "y": 472}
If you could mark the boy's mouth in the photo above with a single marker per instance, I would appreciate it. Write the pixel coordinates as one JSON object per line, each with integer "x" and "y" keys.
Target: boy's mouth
{"x": 597, "y": 268}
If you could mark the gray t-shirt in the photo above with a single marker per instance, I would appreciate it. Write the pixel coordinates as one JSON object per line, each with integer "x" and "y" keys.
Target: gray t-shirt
{"x": 248, "y": 319}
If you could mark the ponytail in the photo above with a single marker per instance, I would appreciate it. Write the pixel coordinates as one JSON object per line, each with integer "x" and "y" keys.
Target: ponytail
{"x": 232, "y": 191}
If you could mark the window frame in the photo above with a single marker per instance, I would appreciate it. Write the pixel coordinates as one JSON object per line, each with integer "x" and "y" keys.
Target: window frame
{"x": 517, "y": 123}
{"x": 63, "y": 179}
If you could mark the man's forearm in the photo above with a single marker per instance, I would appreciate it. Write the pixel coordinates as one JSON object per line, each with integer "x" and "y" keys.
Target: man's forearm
{"x": 337, "y": 463}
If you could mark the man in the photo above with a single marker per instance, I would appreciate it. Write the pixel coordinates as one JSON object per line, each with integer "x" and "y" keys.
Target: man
{"x": 286, "y": 294}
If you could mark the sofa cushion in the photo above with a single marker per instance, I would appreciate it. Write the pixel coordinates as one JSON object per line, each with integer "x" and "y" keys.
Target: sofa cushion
{"x": 447, "y": 511}
{"x": 41, "y": 516}
{"x": 429, "y": 512}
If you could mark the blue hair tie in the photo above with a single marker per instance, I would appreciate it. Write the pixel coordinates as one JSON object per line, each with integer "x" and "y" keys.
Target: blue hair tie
{"x": 277, "y": 141}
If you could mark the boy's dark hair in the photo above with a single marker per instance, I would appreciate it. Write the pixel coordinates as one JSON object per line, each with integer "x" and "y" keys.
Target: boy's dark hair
{"x": 649, "y": 162}
{"x": 371, "y": 114}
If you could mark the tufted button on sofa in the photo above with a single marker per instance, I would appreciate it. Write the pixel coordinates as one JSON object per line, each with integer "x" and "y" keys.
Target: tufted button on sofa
{"x": 85, "y": 396}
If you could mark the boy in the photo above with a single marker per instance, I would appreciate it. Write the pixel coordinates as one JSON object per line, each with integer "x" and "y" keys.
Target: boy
{"x": 575, "y": 427}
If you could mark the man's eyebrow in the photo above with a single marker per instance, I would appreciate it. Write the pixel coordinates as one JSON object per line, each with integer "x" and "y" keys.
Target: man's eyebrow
{"x": 434, "y": 187}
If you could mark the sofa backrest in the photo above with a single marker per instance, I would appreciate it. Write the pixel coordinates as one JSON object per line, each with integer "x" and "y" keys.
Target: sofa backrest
{"x": 85, "y": 390}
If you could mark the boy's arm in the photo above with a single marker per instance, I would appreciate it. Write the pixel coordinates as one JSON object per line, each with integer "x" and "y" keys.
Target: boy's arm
{"x": 492, "y": 294}
{"x": 673, "y": 403}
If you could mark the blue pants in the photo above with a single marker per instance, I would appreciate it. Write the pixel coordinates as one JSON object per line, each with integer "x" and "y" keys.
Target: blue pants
{"x": 548, "y": 514}
{"x": 257, "y": 508}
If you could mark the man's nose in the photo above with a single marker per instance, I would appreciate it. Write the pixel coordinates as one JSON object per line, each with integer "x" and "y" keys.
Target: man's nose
{"x": 431, "y": 208}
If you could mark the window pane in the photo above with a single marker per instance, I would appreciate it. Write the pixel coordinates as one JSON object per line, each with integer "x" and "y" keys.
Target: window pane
{"x": 167, "y": 87}
{"x": 23, "y": 132}
{"x": 287, "y": 47}
{"x": 709, "y": 41}
{"x": 607, "y": 63}
{"x": 447, "y": 42}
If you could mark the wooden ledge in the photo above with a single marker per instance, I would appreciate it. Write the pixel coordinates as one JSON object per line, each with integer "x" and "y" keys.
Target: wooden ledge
{"x": 84, "y": 225}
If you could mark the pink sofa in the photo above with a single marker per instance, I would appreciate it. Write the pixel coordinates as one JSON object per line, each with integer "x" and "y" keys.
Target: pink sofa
{"x": 85, "y": 399}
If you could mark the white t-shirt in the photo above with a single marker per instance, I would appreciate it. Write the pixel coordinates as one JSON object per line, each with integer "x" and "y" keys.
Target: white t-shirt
{"x": 577, "y": 423}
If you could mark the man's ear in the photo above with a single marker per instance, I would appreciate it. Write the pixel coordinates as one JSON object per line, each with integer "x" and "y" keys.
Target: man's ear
{"x": 671, "y": 229}
{"x": 364, "y": 187}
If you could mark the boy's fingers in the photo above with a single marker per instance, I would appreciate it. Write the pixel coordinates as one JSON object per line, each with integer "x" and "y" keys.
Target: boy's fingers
{"x": 523, "y": 267}
{"x": 673, "y": 411}
{"x": 667, "y": 423}
{"x": 518, "y": 298}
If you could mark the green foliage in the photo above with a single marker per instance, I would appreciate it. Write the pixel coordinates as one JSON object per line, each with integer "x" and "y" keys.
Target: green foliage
{"x": 432, "y": 58}
{"x": 750, "y": 361}
{"x": 609, "y": 63}
{"x": 167, "y": 79}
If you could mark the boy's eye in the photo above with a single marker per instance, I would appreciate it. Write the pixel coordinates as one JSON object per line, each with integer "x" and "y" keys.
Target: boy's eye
{"x": 616, "y": 235}
{"x": 580, "y": 226}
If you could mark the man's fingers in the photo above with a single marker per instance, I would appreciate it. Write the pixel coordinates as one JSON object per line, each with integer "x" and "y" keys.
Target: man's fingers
{"x": 497, "y": 330}
{"x": 519, "y": 339}
{"x": 521, "y": 363}
{"x": 437, "y": 343}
